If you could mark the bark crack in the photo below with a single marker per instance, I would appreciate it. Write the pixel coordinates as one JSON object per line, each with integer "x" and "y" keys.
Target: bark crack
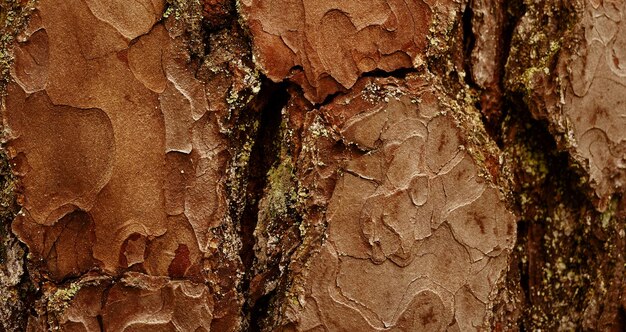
{"x": 556, "y": 268}
{"x": 262, "y": 121}
{"x": 567, "y": 268}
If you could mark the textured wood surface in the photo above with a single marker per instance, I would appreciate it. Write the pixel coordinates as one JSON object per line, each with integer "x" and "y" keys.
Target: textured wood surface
{"x": 301, "y": 165}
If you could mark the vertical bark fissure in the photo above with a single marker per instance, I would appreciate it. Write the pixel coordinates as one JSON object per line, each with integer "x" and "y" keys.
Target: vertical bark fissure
{"x": 503, "y": 17}
{"x": 512, "y": 12}
{"x": 547, "y": 188}
{"x": 567, "y": 266}
{"x": 553, "y": 264}
{"x": 469, "y": 42}
{"x": 16, "y": 288}
{"x": 563, "y": 253}
{"x": 264, "y": 152}
{"x": 100, "y": 323}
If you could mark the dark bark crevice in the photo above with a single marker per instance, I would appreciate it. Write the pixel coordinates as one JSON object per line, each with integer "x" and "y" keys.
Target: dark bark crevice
{"x": 20, "y": 297}
{"x": 469, "y": 42}
{"x": 17, "y": 298}
{"x": 560, "y": 246}
{"x": 100, "y": 323}
{"x": 400, "y": 74}
{"x": 260, "y": 311}
{"x": 564, "y": 250}
{"x": 560, "y": 257}
{"x": 263, "y": 120}
{"x": 512, "y": 11}
{"x": 502, "y": 19}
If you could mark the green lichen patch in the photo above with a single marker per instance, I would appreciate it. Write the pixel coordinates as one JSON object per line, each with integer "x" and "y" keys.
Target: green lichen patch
{"x": 443, "y": 33}
{"x": 57, "y": 299}
{"x": 187, "y": 15}
{"x": 543, "y": 30}
{"x": 61, "y": 297}
{"x": 565, "y": 256}
{"x": 281, "y": 194}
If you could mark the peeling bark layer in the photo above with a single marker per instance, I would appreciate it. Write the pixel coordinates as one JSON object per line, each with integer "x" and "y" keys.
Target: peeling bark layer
{"x": 325, "y": 46}
{"x": 415, "y": 238}
{"x": 121, "y": 162}
{"x": 136, "y": 302}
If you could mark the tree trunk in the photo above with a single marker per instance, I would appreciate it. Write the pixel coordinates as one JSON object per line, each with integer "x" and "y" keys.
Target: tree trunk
{"x": 313, "y": 165}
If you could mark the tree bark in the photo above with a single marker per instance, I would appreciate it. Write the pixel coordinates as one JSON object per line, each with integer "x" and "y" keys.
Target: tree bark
{"x": 313, "y": 165}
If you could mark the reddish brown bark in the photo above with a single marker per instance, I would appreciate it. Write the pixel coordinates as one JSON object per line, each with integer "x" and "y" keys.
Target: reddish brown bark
{"x": 303, "y": 165}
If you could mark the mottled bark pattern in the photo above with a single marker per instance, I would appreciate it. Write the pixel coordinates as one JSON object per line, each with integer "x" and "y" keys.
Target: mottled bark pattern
{"x": 416, "y": 238}
{"x": 120, "y": 160}
{"x": 593, "y": 91}
{"x": 325, "y": 46}
{"x": 313, "y": 165}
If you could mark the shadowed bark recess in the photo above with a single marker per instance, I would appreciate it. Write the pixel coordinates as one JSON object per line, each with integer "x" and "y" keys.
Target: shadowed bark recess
{"x": 306, "y": 165}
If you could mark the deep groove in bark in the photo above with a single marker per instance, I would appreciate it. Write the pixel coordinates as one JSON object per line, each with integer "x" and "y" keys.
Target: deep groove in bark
{"x": 25, "y": 289}
{"x": 492, "y": 104}
{"x": 561, "y": 249}
{"x": 547, "y": 184}
{"x": 100, "y": 323}
{"x": 513, "y": 11}
{"x": 260, "y": 311}
{"x": 400, "y": 73}
{"x": 15, "y": 308}
{"x": 469, "y": 41}
{"x": 263, "y": 154}
{"x": 550, "y": 186}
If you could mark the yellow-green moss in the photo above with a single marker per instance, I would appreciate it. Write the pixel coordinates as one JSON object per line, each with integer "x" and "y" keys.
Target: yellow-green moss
{"x": 61, "y": 298}
{"x": 281, "y": 192}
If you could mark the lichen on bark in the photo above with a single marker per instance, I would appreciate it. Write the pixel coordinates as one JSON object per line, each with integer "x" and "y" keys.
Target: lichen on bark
{"x": 297, "y": 165}
{"x": 15, "y": 287}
